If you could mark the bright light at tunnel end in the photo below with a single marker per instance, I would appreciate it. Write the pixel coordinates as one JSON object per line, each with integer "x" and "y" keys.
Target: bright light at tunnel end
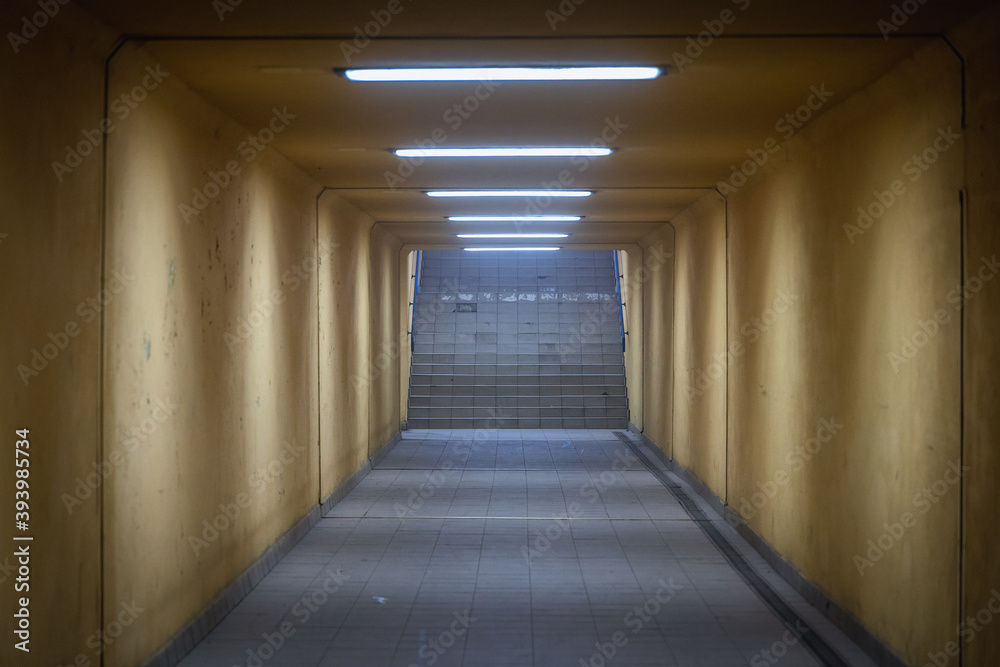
{"x": 608, "y": 73}
{"x": 509, "y": 193}
{"x": 509, "y": 249}
{"x": 533, "y": 151}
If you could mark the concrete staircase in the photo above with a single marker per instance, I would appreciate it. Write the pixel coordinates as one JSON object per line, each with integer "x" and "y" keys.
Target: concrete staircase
{"x": 517, "y": 340}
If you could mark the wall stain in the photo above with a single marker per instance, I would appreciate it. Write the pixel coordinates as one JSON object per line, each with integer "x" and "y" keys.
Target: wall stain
{"x": 149, "y": 347}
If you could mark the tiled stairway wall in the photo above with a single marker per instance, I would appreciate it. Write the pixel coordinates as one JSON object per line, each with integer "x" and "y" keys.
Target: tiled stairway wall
{"x": 517, "y": 340}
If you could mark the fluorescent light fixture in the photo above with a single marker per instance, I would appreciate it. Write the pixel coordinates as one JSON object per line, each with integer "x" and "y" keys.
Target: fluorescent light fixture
{"x": 515, "y": 218}
{"x": 524, "y": 151}
{"x": 506, "y": 249}
{"x": 626, "y": 73}
{"x": 511, "y": 236}
{"x": 509, "y": 193}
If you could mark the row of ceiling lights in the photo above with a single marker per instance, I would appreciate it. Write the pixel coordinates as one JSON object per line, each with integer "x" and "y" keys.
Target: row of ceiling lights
{"x": 425, "y": 74}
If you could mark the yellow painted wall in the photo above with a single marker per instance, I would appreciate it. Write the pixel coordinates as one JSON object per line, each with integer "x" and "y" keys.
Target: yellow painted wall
{"x": 215, "y": 331}
{"x": 812, "y": 320}
{"x": 850, "y": 296}
{"x": 657, "y": 325}
{"x": 256, "y": 324}
{"x": 979, "y": 42}
{"x": 699, "y": 414}
{"x": 387, "y": 339}
{"x": 360, "y": 336}
{"x": 50, "y": 253}
{"x": 213, "y": 349}
{"x": 217, "y": 323}
{"x": 345, "y": 340}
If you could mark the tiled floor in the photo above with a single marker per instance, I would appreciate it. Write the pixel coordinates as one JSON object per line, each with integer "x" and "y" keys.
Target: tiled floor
{"x": 492, "y": 548}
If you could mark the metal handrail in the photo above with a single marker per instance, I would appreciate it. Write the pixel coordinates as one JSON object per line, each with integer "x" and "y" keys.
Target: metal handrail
{"x": 621, "y": 303}
{"x": 416, "y": 290}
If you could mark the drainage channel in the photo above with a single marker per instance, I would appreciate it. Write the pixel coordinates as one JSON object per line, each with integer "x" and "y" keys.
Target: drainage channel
{"x": 791, "y": 618}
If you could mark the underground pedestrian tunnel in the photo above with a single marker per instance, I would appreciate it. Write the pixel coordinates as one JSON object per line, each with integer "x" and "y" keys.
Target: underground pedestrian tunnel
{"x": 569, "y": 333}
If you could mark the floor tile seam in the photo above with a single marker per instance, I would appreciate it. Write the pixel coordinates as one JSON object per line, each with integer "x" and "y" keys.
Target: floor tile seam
{"x": 531, "y": 610}
{"x": 409, "y": 612}
{"x": 388, "y": 486}
{"x": 635, "y": 496}
{"x": 475, "y": 591}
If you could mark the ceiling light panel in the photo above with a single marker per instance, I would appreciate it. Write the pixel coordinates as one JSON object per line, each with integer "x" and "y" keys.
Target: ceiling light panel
{"x": 509, "y": 249}
{"x": 512, "y": 236}
{"x": 614, "y": 73}
{"x": 521, "y": 151}
{"x": 509, "y": 193}
{"x": 515, "y": 218}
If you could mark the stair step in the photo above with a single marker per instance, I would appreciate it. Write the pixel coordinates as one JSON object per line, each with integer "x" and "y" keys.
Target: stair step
{"x": 515, "y": 340}
{"x": 516, "y": 401}
{"x": 491, "y": 392}
{"x": 458, "y": 347}
{"x": 517, "y": 380}
{"x": 567, "y": 423}
{"x": 559, "y": 335}
{"x": 517, "y": 369}
{"x": 517, "y": 360}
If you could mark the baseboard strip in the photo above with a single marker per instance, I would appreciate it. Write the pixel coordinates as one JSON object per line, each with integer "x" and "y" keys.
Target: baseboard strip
{"x": 848, "y": 623}
{"x": 194, "y": 632}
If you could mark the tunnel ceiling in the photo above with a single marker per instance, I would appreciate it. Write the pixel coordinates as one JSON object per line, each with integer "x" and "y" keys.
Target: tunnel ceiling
{"x": 676, "y": 136}
{"x": 446, "y": 18}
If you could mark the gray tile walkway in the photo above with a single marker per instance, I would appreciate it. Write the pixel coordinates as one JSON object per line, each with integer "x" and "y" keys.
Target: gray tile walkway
{"x": 509, "y": 547}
